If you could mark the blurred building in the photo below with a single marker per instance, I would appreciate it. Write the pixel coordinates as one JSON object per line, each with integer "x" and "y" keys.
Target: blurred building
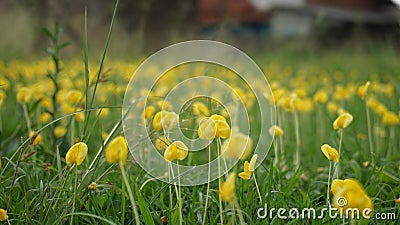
{"x": 282, "y": 18}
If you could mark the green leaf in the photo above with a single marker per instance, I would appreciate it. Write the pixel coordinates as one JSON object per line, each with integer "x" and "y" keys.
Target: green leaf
{"x": 148, "y": 219}
{"x": 175, "y": 216}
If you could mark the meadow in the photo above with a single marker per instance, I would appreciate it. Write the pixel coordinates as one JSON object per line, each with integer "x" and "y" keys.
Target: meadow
{"x": 65, "y": 157}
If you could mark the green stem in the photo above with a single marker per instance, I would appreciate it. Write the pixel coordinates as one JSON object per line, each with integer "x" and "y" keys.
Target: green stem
{"x": 27, "y": 119}
{"x": 123, "y": 201}
{"x": 208, "y": 184}
{"x": 74, "y": 197}
{"x": 371, "y": 147}
{"x": 258, "y": 189}
{"x": 135, "y": 212}
{"x": 298, "y": 143}
{"x": 219, "y": 186}
{"x": 329, "y": 180}
{"x": 340, "y": 153}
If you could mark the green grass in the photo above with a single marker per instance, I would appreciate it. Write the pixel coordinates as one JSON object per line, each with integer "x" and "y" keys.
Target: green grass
{"x": 37, "y": 186}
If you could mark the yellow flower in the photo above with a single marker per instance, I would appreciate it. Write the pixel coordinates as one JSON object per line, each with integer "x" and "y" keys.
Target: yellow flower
{"x": 117, "y": 150}
{"x": 92, "y": 186}
{"x": 176, "y": 151}
{"x": 363, "y": 89}
{"x": 320, "y": 97}
{"x": 149, "y": 112}
{"x": 104, "y": 135}
{"x": 214, "y": 126}
{"x": 162, "y": 143}
{"x": 165, "y": 119}
{"x": 60, "y": 131}
{"x": 275, "y": 131}
{"x": 77, "y": 153}
{"x": 342, "y": 121}
{"x": 37, "y": 139}
{"x": 330, "y": 153}
{"x": 390, "y": 118}
{"x": 332, "y": 107}
{"x": 227, "y": 192}
{"x": 45, "y": 117}
{"x": 290, "y": 103}
{"x": 248, "y": 168}
{"x": 199, "y": 109}
{"x": 239, "y": 146}
{"x": 47, "y": 103}
{"x": 24, "y": 95}
{"x": 73, "y": 97}
{"x": 349, "y": 194}
{"x": 164, "y": 105}
{"x": 80, "y": 116}
{"x": 3, "y": 215}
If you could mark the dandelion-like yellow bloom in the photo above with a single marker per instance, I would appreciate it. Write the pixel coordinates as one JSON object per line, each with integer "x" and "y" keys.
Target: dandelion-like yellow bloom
{"x": 117, "y": 150}
{"x": 24, "y": 95}
{"x": 290, "y": 103}
{"x": 165, "y": 119}
{"x": 199, "y": 109}
{"x": 320, "y": 97}
{"x": 239, "y": 146}
{"x": 73, "y": 97}
{"x": 149, "y": 112}
{"x": 363, "y": 89}
{"x": 37, "y": 140}
{"x": 3, "y": 215}
{"x": 390, "y": 118}
{"x": 276, "y": 131}
{"x": 77, "y": 153}
{"x": 214, "y": 126}
{"x": 248, "y": 168}
{"x": 227, "y": 192}
{"x": 332, "y": 107}
{"x": 162, "y": 143}
{"x": 45, "y": 117}
{"x": 330, "y": 153}
{"x": 349, "y": 194}
{"x": 342, "y": 121}
{"x": 176, "y": 151}
{"x": 59, "y": 131}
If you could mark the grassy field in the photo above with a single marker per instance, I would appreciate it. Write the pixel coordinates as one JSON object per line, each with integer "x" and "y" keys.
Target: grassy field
{"x": 50, "y": 104}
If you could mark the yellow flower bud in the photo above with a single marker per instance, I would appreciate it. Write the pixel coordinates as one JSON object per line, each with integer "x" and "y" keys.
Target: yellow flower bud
{"x": 92, "y": 186}
{"x": 73, "y": 97}
{"x": 320, "y": 97}
{"x": 77, "y": 153}
{"x": 117, "y": 150}
{"x": 227, "y": 192}
{"x": 238, "y": 146}
{"x": 59, "y": 131}
{"x": 176, "y": 151}
{"x": 37, "y": 139}
{"x": 349, "y": 194}
{"x": 199, "y": 109}
{"x": 390, "y": 118}
{"x": 363, "y": 89}
{"x": 165, "y": 119}
{"x": 149, "y": 112}
{"x": 248, "y": 168}
{"x": 45, "y": 117}
{"x": 3, "y": 215}
{"x": 24, "y": 95}
{"x": 275, "y": 131}
{"x": 342, "y": 121}
{"x": 330, "y": 153}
